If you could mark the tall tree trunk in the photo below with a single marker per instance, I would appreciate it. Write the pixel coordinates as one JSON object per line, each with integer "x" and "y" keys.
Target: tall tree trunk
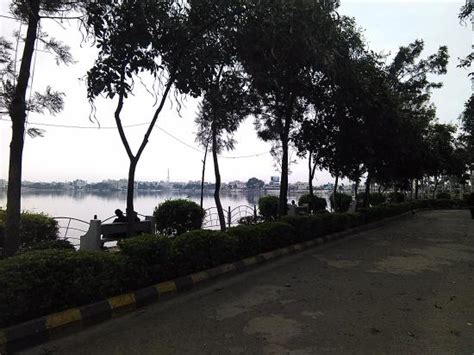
{"x": 17, "y": 110}
{"x": 310, "y": 176}
{"x": 217, "y": 197}
{"x": 367, "y": 190}
{"x": 284, "y": 138}
{"x": 334, "y": 193}
{"x": 416, "y": 189}
{"x": 130, "y": 194}
{"x": 283, "y": 201}
{"x": 203, "y": 173}
{"x": 435, "y": 186}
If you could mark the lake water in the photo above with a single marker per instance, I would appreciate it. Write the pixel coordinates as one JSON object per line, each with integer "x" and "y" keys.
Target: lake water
{"x": 84, "y": 205}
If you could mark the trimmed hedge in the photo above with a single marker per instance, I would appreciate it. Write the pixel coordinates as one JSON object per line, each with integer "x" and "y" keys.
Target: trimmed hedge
{"x": 469, "y": 199}
{"x": 35, "y": 228}
{"x": 443, "y": 196}
{"x": 375, "y": 198}
{"x": 149, "y": 255}
{"x": 175, "y": 217}
{"x": 41, "y": 282}
{"x": 202, "y": 249}
{"x": 396, "y": 197}
{"x": 314, "y": 202}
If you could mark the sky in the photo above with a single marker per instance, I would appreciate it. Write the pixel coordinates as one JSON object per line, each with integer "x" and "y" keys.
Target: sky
{"x": 94, "y": 154}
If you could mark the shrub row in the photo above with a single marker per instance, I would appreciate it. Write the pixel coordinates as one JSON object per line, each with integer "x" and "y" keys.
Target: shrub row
{"x": 40, "y": 282}
{"x": 35, "y": 228}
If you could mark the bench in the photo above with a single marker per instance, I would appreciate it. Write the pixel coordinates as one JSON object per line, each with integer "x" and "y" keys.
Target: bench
{"x": 100, "y": 233}
{"x": 294, "y": 210}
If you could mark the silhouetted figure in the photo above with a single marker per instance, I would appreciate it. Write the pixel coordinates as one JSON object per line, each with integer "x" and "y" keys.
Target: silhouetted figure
{"x": 120, "y": 217}
{"x": 135, "y": 217}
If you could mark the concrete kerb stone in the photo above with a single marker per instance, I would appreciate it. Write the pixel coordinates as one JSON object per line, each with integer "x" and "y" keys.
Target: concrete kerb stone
{"x": 42, "y": 329}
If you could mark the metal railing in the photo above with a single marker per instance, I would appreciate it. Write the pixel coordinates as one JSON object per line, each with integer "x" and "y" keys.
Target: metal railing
{"x": 232, "y": 216}
{"x": 71, "y": 229}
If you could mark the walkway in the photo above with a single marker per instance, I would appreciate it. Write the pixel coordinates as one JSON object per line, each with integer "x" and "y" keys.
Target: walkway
{"x": 404, "y": 288}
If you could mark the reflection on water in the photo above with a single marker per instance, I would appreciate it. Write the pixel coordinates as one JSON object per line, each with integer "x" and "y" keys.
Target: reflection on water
{"x": 85, "y": 204}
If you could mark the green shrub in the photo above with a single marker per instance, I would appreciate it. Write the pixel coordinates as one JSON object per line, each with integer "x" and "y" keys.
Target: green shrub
{"x": 339, "y": 222}
{"x": 315, "y": 203}
{"x": 341, "y": 203}
{"x": 59, "y": 244}
{"x": 377, "y": 198}
{"x": 443, "y": 196}
{"x": 249, "y": 238}
{"x": 41, "y": 282}
{"x": 202, "y": 249}
{"x": 149, "y": 255}
{"x": 174, "y": 217}
{"x": 34, "y": 228}
{"x": 251, "y": 220}
{"x": 396, "y": 197}
{"x": 268, "y": 207}
{"x": 469, "y": 199}
{"x": 276, "y": 235}
{"x": 298, "y": 223}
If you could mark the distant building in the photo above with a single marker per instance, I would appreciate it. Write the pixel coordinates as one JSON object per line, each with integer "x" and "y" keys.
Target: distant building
{"x": 274, "y": 181}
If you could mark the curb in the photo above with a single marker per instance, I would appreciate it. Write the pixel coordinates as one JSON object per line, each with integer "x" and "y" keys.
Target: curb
{"x": 53, "y": 326}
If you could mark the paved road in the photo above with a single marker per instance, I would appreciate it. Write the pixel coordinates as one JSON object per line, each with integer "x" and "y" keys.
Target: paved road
{"x": 404, "y": 288}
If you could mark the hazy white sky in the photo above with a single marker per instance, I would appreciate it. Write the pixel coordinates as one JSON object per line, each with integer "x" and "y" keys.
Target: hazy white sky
{"x": 96, "y": 154}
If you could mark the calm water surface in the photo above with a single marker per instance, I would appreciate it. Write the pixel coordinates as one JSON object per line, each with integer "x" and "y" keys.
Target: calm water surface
{"x": 84, "y": 205}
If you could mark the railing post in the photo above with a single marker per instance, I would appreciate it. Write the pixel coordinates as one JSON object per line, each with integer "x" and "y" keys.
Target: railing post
{"x": 152, "y": 223}
{"x": 91, "y": 240}
{"x": 229, "y": 217}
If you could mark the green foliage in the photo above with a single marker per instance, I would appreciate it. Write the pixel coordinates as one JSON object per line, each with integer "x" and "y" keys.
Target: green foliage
{"x": 342, "y": 203}
{"x": 316, "y": 203}
{"x": 396, "y": 197}
{"x": 251, "y": 220}
{"x": 149, "y": 255}
{"x": 41, "y": 282}
{"x": 174, "y": 217}
{"x": 268, "y": 207}
{"x": 443, "y": 196}
{"x": 202, "y": 249}
{"x": 35, "y": 228}
{"x": 59, "y": 244}
{"x": 377, "y": 198}
{"x": 470, "y": 199}
{"x": 254, "y": 183}
{"x": 249, "y": 238}
{"x": 276, "y": 234}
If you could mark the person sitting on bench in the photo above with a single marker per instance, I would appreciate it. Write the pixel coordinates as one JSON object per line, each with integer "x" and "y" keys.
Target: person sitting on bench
{"x": 120, "y": 217}
{"x": 123, "y": 219}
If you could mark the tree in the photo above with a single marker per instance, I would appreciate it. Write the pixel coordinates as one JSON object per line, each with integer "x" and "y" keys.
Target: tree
{"x": 167, "y": 40}
{"x": 13, "y": 95}
{"x": 254, "y": 183}
{"x": 224, "y": 107}
{"x": 466, "y": 139}
{"x": 441, "y": 158}
{"x": 282, "y": 50}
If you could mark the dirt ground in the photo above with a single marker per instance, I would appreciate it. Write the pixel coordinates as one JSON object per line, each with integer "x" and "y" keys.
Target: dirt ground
{"x": 404, "y": 288}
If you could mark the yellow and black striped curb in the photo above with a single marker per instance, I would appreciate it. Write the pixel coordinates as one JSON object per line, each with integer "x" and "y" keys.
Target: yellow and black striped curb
{"x": 49, "y": 327}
